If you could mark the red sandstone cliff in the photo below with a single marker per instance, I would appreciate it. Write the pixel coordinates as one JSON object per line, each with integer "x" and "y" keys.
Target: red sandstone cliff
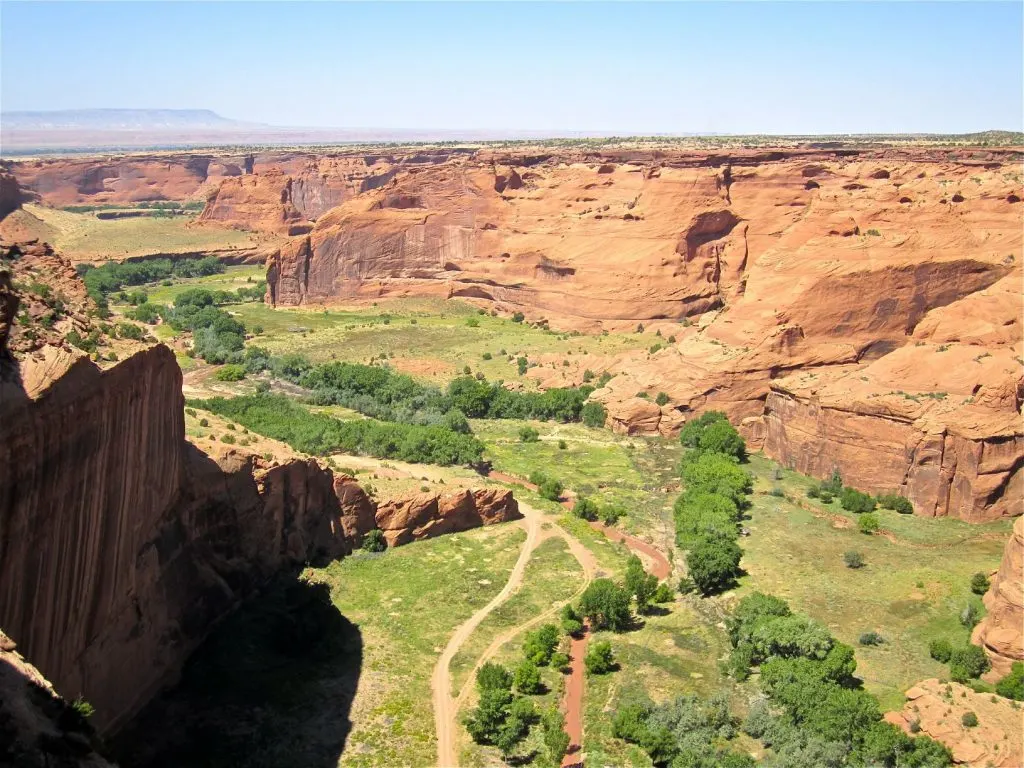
{"x": 854, "y": 309}
{"x": 1001, "y": 631}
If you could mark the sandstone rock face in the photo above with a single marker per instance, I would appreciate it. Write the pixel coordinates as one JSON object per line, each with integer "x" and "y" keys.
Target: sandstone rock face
{"x": 862, "y": 291}
{"x": 1001, "y": 631}
{"x": 123, "y": 543}
{"x": 427, "y": 515}
{"x": 114, "y": 180}
{"x": 634, "y": 416}
{"x": 35, "y": 727}
{"x": 265, "y": 198}
{"x": 995, "y": 741}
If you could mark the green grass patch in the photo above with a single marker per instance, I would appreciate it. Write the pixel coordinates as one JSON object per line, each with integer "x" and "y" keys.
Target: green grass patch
{"x": 407, "y": 603}
{"x": 910, "y": 591}
{"x": 552, "y": 576}
{"x": 81, "y": 236}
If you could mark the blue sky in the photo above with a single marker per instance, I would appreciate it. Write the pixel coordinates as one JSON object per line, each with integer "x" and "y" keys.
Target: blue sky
{"x": 632, "y": 68}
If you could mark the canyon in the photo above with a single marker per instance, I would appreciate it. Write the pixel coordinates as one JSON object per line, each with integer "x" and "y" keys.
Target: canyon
{"x": 853, "y": 308}
{"x": 121, "y": 542}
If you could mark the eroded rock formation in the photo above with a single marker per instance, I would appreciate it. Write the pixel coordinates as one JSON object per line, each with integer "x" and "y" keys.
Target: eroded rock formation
{"x": 937, "y": 709}
{"x": 1001, "y": 631}
{"x": 428, "y": 515}
{"x": 853, "y": 308}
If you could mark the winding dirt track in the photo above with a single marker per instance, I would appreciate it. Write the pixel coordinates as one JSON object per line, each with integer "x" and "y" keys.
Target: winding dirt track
{"x": 446, "y": 707}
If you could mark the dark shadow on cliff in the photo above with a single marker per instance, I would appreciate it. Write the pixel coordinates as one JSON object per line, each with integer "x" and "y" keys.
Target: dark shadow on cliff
{"x": 272, "y": 686}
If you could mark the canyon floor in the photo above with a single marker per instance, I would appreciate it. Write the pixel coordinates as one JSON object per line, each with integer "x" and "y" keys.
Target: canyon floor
{"x": 411, "y": 605}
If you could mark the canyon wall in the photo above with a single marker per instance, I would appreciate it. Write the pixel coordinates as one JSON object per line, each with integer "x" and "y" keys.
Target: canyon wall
{"x": 122, "y": 544}
{"x": 822, "y": 298}
{"x": 1001, "y": 631}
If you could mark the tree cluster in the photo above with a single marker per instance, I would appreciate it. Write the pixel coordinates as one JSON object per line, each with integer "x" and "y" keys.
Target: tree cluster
{"x": 500, "y": 718}
{"x": 707, "y": 514}
{"x": 113, "y": 276}
{"x": 815, "y": 712}
{"x": 686, "y": 732}
{"x": 280, "y": 418}
{"x": 853, "y": 500}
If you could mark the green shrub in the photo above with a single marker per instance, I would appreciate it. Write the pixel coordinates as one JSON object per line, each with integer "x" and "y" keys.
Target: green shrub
{"x": 970, "y": 616}
{"x": 834, "y": 484}
{"x": 610, "y": 514}
{"x": 600, "y": 658}
{"x": 712, "y": 563}
{"x": 562, "y": 445}
{"x": 606, "y": 605}
{"x": 539, "y": 645}
{"x": 518, "y": 317}
{"x": 374, "y": 541}
{"x": 82, "y": 707}
{"x": 230, "y": 372}
{"x": 1012, "y": 686}
{"x": 979, "y": 584}
{"x": 826, "y": 497}
{"x": 528, "y": 435}
{"x": 870, "y": 638}
{"x": 663, "y": 594}
{"x": 969, "y": 720}
{"x": 868, "y": 523}
{"x": 853, "y": 500}
{"x": 559, "y": 660}
{"x": 486, "y": 355}
{"x": 593, "y": 414}
{"x": 853, "y": 559}
{"x": 814, "y": 491}
{"x": 968, "y": 662}
{"x": 585, "y": 508}
{"x": 472, "y": 322}
{"x": 897, "y": 503}
{"x": 571, "y": 623}
{"x": 551, "y": 489}
{"x": 941, "y": 650}
{"x": 662, "y": 398}
{"x": 527, "y": 678}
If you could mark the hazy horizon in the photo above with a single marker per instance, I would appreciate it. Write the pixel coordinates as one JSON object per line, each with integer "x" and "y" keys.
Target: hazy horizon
{"x": 626, "y": 69}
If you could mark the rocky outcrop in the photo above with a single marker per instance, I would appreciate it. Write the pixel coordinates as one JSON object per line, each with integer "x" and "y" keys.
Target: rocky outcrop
{"x": 120, "y": 543}
{"x": 262, "y": 201}
{"x": 37, "y": 726}
{"x": 942, "y": 465}
{"x": 1001, "y": 631}
{"x": 937, "y": 709}
{"x": 427, "y": 515}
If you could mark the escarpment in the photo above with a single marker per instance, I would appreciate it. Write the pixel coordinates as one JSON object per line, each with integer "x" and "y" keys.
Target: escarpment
{"x": 855, "y": 309}
{"x": 122, "y": 544}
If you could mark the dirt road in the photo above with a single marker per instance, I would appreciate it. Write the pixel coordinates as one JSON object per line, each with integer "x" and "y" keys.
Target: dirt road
{"x": 445, "y": 707}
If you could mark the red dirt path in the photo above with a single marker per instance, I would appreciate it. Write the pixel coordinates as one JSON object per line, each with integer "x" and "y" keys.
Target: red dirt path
{"x": 572, "y": 703}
